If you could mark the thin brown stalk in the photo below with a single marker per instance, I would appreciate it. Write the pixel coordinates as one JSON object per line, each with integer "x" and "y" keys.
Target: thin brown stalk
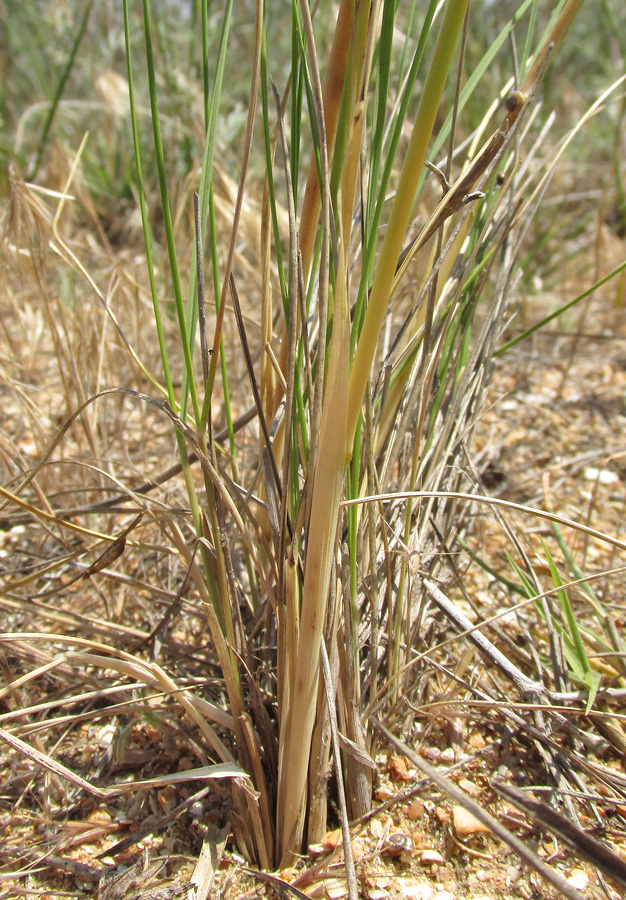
{"x": 333, "y": 90}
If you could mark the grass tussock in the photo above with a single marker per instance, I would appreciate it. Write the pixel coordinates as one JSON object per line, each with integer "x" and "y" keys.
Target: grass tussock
{"x": 253, "y": 308}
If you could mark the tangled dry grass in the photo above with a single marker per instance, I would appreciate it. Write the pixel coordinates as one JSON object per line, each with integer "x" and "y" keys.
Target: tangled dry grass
{"x": 505, "y": 670}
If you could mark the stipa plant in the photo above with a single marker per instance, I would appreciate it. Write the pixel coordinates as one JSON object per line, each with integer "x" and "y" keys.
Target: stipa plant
{"x": 313, "y": 597}
{"x": 321, "y": 581}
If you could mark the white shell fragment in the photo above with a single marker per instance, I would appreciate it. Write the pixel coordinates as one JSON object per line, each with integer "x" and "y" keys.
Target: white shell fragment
{"x": 602, "y": 476}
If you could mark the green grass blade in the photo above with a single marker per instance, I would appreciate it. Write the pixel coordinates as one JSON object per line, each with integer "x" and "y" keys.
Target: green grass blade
{"x": 590, "y": 678}
{"x": 167, "y": 215}
{"x": 144, "y": 214}
{"x": 204, "y": 193}
{"x": 58, "y": 93}
{"x": 399, "y": 217}
{"x": 498, "y": 576}
{"x": 527, "y": 588}
{"x": 559, "y": 312}
{"x": 377, "y": 192}
{"x": 181, "y": 446}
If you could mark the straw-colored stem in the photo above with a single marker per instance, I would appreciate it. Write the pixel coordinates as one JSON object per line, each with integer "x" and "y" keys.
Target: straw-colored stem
{"x": 326, "y": 495}
{"x": 402, "y": 209}
{"x": 552, "y": 43}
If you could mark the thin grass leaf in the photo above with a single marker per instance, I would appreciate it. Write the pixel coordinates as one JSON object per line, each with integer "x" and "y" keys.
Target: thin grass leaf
{"x": 205, "y": 193}
{"x": 526, "y": 588}
{"x": 559, "y": 312}
{"x": 144, "y": 214}
{"x": 377, "y": 192}
{"x": 252, "y": 106}
{"x": 496, "y": 575}
{"x": 58, "y": 93}
{"x": 185, "y": 341}
{"x": 589, "y": 677}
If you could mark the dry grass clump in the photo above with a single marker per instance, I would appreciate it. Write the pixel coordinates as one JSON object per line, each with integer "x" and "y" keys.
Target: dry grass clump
{"x": 246, "y": 524}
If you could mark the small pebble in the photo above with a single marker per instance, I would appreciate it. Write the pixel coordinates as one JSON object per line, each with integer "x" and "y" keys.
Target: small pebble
{"x": 431, "y": 858}
{"x": 465, "y": 823}
{"x": 415, "y": 811}
{"x": 578, "y": 879}
{"x": 415, "y": 891}
{"x": 602, "y": 476}
{"x": 469, "y": 787}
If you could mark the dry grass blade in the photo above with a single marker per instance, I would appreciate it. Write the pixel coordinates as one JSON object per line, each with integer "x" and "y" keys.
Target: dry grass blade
{"x": 461, "y": 192}
{"x": 345, "y": 824}
{"x": 495, "y": 501}
{"x": 143, "y": 488}
{"x": 254, "y": 386}
{"x": 51, "y": 765}
{"x": 526, "y": 686}
{"x": 584, "y": 845}
{"x": 220, "y": 770}
{"x": 209, "y": 861}
{"x": 530, "y": 858}
{"x": 284, "y": 890}
{"x": 328, "y": 479}
{"x": 285, "y": 531}
{"x": 137, "y": 668}
{"x": 252, "y": 106}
